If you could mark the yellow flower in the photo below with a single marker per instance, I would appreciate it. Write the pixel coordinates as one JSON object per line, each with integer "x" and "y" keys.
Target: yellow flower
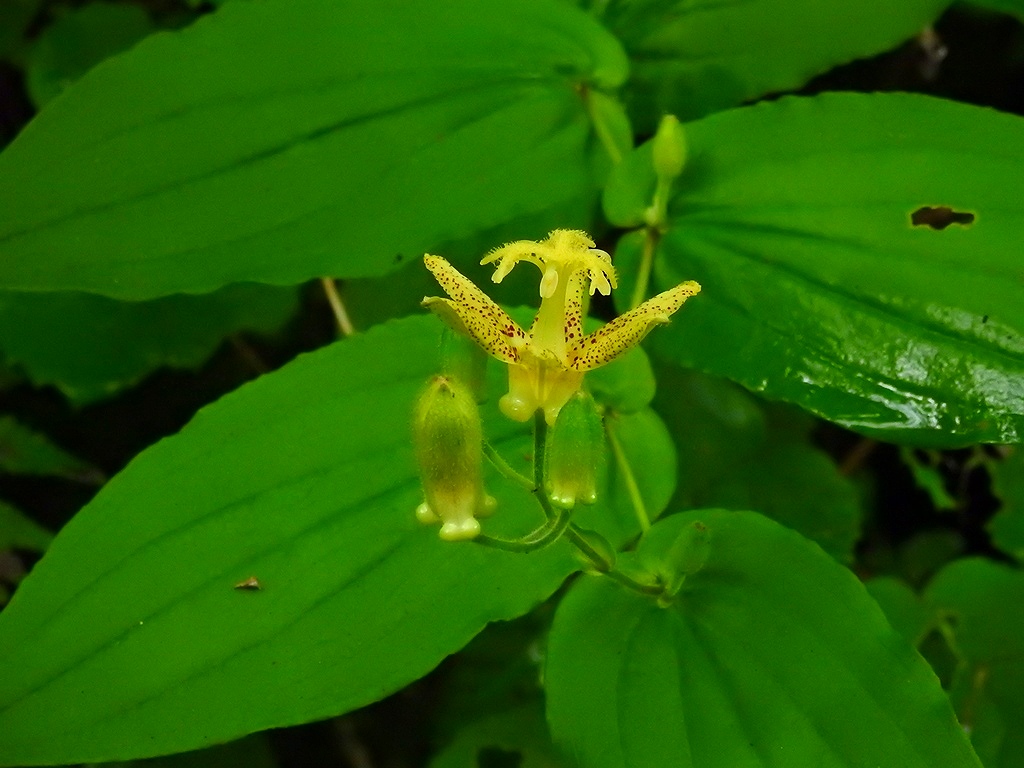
{"x": 546, "y": 364}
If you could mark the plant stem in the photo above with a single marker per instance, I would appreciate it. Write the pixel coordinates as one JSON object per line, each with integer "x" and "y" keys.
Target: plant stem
{"x": 604, "y": 567}
{"x": 540, "y": 439}
{"x": 559, "y": 523}
{"x": 604, "y": 134}
{"x": 547, "y": 534}
{"x": 632, "y": 488}
{"x": 506, "y": 469}
{"x": 337, "y": 306}
{"x": 643, "y": 275}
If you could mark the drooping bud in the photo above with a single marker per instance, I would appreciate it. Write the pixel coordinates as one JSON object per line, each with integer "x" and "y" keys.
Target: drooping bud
{"x": 575, "y": 452}
{"x": 448, "y": 439}
{"x": 463, "y": 360}
{"x": 669, "y": 148}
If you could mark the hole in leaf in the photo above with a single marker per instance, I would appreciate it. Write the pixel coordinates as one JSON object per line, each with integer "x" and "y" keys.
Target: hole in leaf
{"x": 493, "y": 757}
{"x": 940, "y": 217}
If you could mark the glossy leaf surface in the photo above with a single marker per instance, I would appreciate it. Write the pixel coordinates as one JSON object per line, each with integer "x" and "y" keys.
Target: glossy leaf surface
{"x": 772, "y": 654}
{"x": 130, "y": 638}
{"x": 692, "y": 58}
{"x": 274, "y": 142}
{"x": 818, "y": 286}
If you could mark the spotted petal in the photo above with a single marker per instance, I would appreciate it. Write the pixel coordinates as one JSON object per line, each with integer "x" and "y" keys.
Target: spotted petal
{"x": 628, "y": 330}
{"x": 472, "y": 313}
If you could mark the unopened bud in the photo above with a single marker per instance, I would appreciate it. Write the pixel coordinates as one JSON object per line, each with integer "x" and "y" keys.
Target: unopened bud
{"x": 466, "y": 361}
{"x": 575, "y": 452}
{"x": 669, "y": 148}
{"x": 448, "y": 439}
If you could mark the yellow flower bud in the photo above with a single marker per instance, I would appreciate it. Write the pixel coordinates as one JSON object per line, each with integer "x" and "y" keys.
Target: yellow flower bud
{"x": 448, "y": 439}
{"x": 575, "y": 452}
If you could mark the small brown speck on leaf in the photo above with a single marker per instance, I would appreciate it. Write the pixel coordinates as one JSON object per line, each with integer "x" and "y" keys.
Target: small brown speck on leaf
{"x": 940, "y": 217}
{"x": 252, "y": 584}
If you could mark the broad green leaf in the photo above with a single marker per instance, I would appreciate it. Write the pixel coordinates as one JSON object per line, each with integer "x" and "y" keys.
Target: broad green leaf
{"x": 1012, "y": 7}
{"x": 627, "y": 385}
{"x": 91, "y": 346}
{"x": 27, "y": 452}
{"x": 797, "y": 217}
{"x": 904, "y": 608}
{"x": 251, "y": 752}
{"x": 692, "y": 58}
{"x": 20, "y": 532}
{"x": 772, "y": 654}
{"x": 278, "y": 141}
{"x": 647, "y": 464}
{"x": 732, "y": 455}
{"x": 79, "y": 40}
{"x": 375, "y": 299}
{"x": 981, "y": 601}
{"x": 130, "y": 638}
{"x": 1007, "y": 525}
{"x": 518, "y": 733}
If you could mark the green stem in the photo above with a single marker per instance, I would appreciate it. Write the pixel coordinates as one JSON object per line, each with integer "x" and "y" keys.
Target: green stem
{"x": 632, "y": 488}
{"x": 643, "y": 275}
{"x": 603, "y": 566}
{"x": 506, "y": 469}
{"x": 540, "y": 441}
{"x": 559, "y": 523}
{"x": 547, "y": 534}
{"x": 604, "y": 134}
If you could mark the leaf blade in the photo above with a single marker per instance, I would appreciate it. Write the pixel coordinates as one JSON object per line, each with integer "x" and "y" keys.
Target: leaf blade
{"x": 781, "y": 661}
{"x": 271, "y": 142}
{"x": 821, "y": 291}
{"x": 310, "y": 488}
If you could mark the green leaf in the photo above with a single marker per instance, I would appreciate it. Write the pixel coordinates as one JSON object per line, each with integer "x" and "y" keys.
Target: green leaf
{"x": 904, "y": 608}
{"x": 981, "y": 601}
{"x": 626, "y": 385}
{"x": 693, "y": 58}
{"x": 731, "y": 454}
{"x": 276, "y": 142}
{"x": 20, "y": 532}
{"x": 519, "y": 732}
{"x": 771, "y": 655}
{"x": 79, "y": 40}
{"x": 928, "y": 478}
{"x": 130, "y": 638}
{"x": 251, "y": 752}
{"x": 27, "y": 452}
{"x": 1012, "y": 7}
{"x": 797, "y": 217}
{"x": 15, "y": 16}
{"x": 1007, "y": 525}
{"x": 648, "y": 460}
{"x": 91, "y": 346}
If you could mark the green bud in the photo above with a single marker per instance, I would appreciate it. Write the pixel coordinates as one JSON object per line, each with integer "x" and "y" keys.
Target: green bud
{"x": 466, "y": 361}
{"x": 575, "y": 452}
{"x": 448, "y": 439}
{"x": 669, "y": 148}
{"x": 687, "y": 555}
